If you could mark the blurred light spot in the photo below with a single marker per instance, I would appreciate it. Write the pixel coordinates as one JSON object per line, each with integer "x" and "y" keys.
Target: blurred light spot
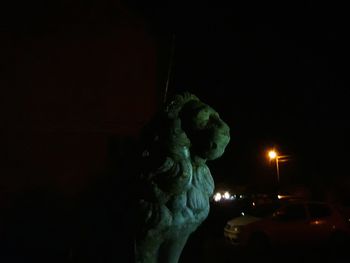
{"x": 217, "y": 197}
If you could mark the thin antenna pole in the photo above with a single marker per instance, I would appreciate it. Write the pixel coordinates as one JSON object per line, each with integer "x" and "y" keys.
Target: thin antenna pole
{"x": 169, "y": 68}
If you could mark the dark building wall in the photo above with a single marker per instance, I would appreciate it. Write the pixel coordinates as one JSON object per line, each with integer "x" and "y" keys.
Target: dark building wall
{"x": 79, "y": 81}
{"x": 69, "y": 87}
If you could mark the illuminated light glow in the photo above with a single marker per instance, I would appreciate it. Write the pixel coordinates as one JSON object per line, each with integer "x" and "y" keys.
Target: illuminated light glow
{"x": 253, "y": 203}
{"x": 227, "y": 195}
{"x": 242, "y": 213}
{"x": 272, "y": 154}
{"x": 217, "y": 197}
{"x": 279, "y": 196}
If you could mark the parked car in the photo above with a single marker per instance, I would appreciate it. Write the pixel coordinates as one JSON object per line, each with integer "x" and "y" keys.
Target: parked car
{"x": 288, "y": 222}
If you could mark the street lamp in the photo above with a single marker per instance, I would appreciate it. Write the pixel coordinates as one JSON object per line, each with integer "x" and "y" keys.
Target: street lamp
{"x": 273, "y": 155}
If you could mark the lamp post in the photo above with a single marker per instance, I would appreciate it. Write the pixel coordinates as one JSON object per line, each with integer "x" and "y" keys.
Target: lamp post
{"x": 273, "y": 155}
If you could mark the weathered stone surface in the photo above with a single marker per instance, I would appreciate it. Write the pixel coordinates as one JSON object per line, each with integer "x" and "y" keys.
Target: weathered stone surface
{"x": 175, "y": 183}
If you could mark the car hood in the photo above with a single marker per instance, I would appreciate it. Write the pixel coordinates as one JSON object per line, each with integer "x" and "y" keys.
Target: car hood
{"x": 243, "y": 220}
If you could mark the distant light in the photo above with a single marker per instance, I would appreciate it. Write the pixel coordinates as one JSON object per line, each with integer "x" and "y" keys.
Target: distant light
{"x": 217, "y": 197}
{"x": 253, "y": 203}
{"x": 241, "y": 196}
{"x": 242, "y": 213}
{"x": 227, "y": 195}
{"x": 272, "y": 154}
{"x": 279, "y": 196}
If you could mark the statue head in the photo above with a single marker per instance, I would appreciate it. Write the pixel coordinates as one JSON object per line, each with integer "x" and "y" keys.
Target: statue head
{"x": 206, "y": 133}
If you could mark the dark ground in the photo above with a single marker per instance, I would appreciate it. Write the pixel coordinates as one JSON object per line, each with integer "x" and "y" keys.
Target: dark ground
{"x": 90, "y": 234}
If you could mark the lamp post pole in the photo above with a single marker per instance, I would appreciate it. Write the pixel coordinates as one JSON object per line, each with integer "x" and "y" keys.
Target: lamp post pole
{"x": 283, "y": 158}
{"x": 273, "y": 155}
{"x": 278, "y": 171}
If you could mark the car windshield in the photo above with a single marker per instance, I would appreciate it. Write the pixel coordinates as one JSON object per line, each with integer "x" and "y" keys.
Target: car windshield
{"x": 263, "y": 210}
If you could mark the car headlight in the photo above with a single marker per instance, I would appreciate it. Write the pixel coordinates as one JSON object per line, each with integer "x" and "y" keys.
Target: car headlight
{"x": 234, "y": 228}
{"x": 237, "y": 228}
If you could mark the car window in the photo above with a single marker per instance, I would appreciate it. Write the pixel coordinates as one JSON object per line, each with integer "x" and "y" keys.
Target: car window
{"x": 292, "y": 212}
{"x": 319, "y": 210}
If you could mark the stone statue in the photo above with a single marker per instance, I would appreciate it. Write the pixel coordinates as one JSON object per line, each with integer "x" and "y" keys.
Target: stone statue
{"x": 175, "y": 183}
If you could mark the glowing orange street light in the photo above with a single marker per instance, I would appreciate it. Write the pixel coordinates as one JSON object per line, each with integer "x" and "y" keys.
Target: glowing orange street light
{"x": 272, "y": 154}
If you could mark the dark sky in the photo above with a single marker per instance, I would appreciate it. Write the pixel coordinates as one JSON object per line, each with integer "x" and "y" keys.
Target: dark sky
{"x": 277, "y": 73}
{"x": 77, "y": 73}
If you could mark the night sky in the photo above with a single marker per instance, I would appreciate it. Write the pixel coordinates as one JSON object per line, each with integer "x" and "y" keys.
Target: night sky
{"x": 78, "y": 74}
{"x": 276, "y": 72}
